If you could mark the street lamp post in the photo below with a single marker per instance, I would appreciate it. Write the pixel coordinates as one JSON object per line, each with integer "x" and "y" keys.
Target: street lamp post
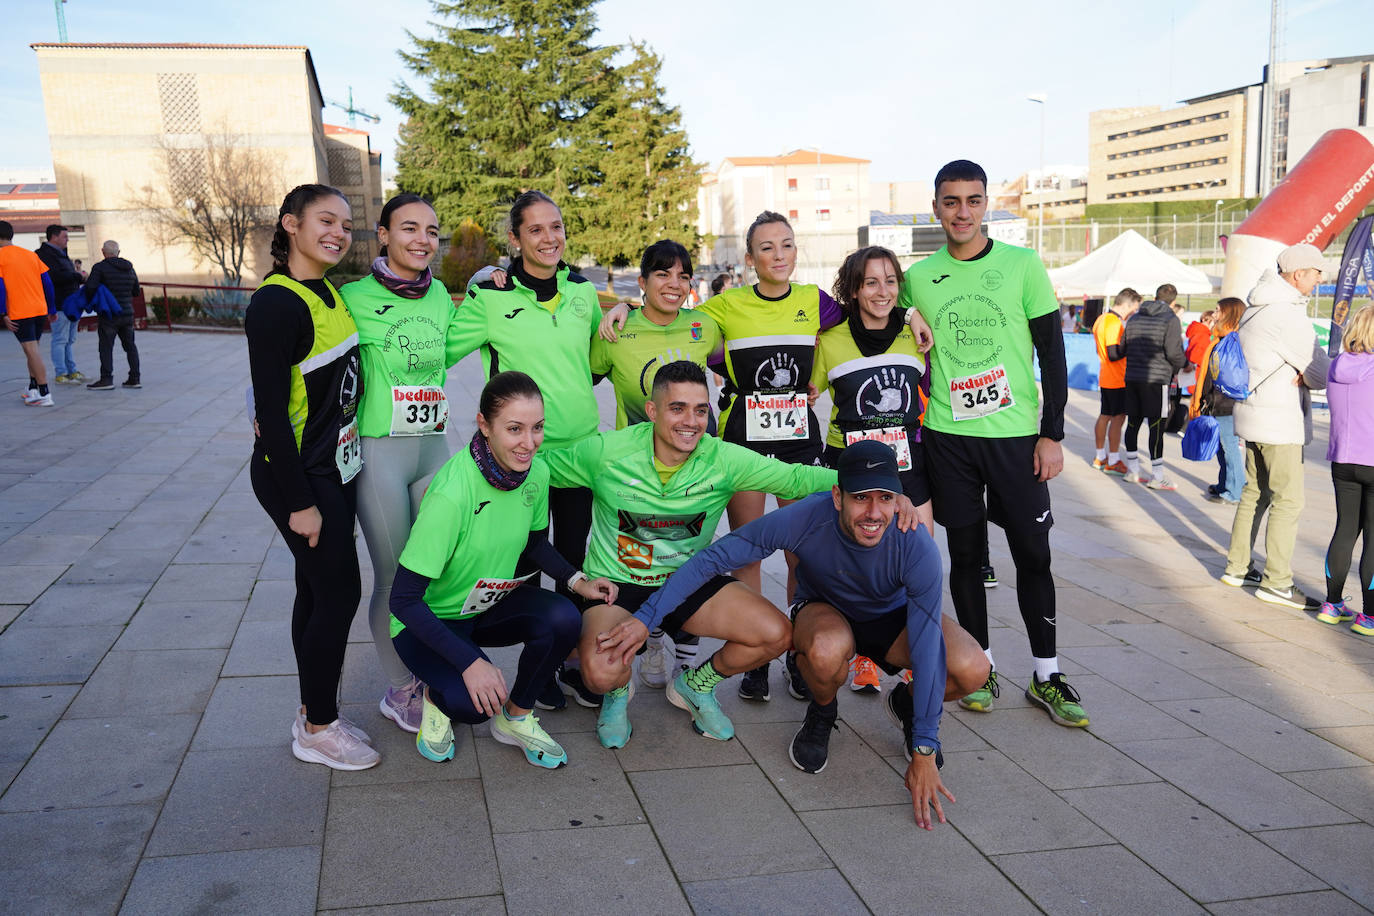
{"x": 1041, "y": 99}
{"x": 1216, "y": 235}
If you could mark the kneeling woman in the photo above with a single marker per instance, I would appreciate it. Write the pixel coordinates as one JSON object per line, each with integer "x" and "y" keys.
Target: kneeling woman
{"x": 455, "y": 589}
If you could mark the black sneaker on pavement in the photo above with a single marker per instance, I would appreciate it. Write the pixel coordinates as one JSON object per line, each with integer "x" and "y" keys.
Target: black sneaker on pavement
{"x": 754, "y": 685}
{"x": 796, "y": 684}
{"x": 810, "y": 747}
{"x": 899, "y": 711}
{"x": 101, "y": 384}
{"x": 551, "y": 696}
{"x": 1291, "y": 596}
{"x": 1251, "y": 579}
{"x": 570, "y": 682}
{"x": 989, "y": 577}
{"x": 132, "y": 383}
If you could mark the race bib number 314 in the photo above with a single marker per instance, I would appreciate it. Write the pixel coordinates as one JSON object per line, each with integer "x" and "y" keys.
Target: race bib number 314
{"x": 770, "y": 417}
{"x": 980, "y": 395}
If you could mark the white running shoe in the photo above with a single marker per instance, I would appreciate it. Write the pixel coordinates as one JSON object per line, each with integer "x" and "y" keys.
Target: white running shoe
{"x": 334, "y": 747}
{"x": 653, "y": 664}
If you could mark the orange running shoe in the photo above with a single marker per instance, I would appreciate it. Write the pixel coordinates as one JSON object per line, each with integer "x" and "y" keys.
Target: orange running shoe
{"x": 1117, "y": 470}
{"x": 863, "y": 675}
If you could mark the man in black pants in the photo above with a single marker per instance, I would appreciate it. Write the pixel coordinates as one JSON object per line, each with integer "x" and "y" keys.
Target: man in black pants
{"x": 118, "y": 276}
{"x": 987, "y": 304}
{"x": 1154, "y": 353}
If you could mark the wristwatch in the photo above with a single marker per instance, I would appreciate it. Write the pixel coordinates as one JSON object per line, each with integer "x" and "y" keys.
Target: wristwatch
{"x": 925, "y": 750}
{"x": 575, "y": 578}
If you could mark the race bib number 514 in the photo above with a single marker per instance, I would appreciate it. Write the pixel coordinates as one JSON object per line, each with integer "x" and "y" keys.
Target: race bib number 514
{"x": 980, "y": 395}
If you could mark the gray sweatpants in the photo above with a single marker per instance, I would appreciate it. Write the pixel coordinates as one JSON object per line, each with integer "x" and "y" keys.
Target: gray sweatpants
{"x": 396, "y": 471}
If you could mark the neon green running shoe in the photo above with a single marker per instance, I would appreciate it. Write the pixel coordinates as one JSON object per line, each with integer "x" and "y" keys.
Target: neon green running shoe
{"x": 1058, "y": 699}
{"x": 981, "y": 699}
{"x": 613, "y": 721}
{"x": 526, "y": 733}
{"x": 434, "y": 740}
{"x": 707, "y": 717}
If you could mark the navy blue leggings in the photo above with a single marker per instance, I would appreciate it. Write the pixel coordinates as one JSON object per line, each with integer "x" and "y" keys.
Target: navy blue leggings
{"x": 548, "y": 624}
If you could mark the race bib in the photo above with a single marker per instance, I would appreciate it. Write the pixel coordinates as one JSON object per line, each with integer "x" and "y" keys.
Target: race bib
{"x": 418, "y": 410}
{"x": 487, "y": 593}
{"x": 348, "y": 455}
{"x": 980, "y": 395}
{"x": 892, "y": 436}
{"x": 771, "y": 417}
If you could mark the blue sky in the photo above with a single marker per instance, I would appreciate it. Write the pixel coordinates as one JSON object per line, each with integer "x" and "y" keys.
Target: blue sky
{"x": 908, "y": 84}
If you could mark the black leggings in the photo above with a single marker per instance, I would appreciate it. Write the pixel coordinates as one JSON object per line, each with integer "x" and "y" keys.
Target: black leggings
{"x": 1156, "y": 434}
{"x": 548, "y": 624}
{"x": 570, "y": 514}
{"x": 328, "y": 586}
{"x": 1030, "y": 553}
{"x": 1354, "y": 485}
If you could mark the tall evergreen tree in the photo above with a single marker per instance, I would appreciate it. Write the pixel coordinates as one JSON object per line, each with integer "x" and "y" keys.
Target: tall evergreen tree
{"x": 510, "y": 85}
{"x": 647, "y": 182}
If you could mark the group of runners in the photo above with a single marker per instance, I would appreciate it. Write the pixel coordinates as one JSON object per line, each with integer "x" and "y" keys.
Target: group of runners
{"x": 351, "y": 416}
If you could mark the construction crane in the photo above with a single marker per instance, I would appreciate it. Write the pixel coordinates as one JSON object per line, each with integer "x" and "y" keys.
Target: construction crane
{"x": 354, "y": 113}
{"x": 61, "y": 20}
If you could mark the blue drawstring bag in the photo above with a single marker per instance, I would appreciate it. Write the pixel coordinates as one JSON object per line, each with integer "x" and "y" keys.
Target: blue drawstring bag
{"x": 1201, "y": 439}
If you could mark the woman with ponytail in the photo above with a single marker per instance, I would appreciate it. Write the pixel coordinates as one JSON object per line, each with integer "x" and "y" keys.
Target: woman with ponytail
{"x": 459, "y": 587}
{"x": 404, "y": 316}
{"x": 303, "y": 357}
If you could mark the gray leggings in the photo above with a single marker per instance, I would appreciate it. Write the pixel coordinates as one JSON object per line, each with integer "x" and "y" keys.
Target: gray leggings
{"x": 396, "y": 471}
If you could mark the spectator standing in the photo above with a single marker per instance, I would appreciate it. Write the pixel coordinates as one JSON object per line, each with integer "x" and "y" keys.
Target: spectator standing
{"x": 1108, "y": 332}
{"x": 26, "y": 298}
{"x": 65, "y": 281}
{"x": 1350, "y": 392}
{"x": 117, "y": 275}
{"x": 1154, "y": 353}
{"x": 1280, "y": 349}
{"x": 1208, "y": 400}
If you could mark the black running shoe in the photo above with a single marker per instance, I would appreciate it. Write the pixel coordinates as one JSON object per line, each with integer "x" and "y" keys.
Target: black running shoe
{"x": 754, "y": 685}
{"x": 810, "y": 748}
{"x": 796, "y": 684}
{"x": 570, "y": 682}
{"x": 900, "y": 712}
{"x": 551, "y": 696}
{"x": 989, "y": 577}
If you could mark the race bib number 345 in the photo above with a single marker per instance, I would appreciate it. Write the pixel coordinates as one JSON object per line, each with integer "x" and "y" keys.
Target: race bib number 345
{"x": 418, "y": 410}
{"x": 769, "y": 417}
{"x": 980, "y": 395}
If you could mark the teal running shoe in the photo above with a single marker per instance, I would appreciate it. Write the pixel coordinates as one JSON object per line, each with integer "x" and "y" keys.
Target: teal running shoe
{"x": 613, "y": 722}
{"x": 527, "y": 734}
{"x": 707, "y": 717}
{"x": 434, "y": 740}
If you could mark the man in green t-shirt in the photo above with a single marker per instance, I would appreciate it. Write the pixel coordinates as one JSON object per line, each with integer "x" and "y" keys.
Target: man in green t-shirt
{"x": 987, "y": 435}
{"x": 659, "y": 489}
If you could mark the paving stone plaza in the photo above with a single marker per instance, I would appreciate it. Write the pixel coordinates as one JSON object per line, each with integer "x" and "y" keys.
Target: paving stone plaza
{"x": 147, "y": 686}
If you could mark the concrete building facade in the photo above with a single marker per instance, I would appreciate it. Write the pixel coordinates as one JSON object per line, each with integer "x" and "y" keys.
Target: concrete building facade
{"x": 127, "y": 120}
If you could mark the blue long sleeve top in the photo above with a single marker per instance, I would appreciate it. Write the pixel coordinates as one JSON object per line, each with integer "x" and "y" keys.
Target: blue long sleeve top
{"x": 863, "y": 583}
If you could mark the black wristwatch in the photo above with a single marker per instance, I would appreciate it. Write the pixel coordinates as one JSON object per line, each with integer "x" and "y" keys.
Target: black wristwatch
{"x": 925, "y": 750}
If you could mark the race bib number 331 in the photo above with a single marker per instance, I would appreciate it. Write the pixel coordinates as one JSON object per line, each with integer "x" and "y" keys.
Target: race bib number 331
{"x": 980, "y": 395}
{"x": 770, "y": 417}
{"x": 418, "y": 410}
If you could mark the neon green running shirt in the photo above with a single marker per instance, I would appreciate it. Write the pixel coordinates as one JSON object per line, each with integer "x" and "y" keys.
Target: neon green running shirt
{"x": 634, "y": 359}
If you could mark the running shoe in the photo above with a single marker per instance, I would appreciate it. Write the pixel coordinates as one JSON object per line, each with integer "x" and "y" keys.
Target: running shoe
{"x": 101, "y": 384}
{"x": 76, "y": 377}
{"x": 653, "y": 665}
{"x": 1058, "y": 699}
{"x": 1291, "y": 597}
{"x": 43, "y": 400}
{"x": 707, "y": 717}
{"x": 1213, "y": 497}
{"x": 899, "y": 710}
{"x": 1364, "y": 625}
{"x": 863, "y": 675}
{"x": 61, "y": 379}
{"x": 1118, "y": 469}
{"x": 754, "y": 685}
{"x": 29, "y": 394}
{"x": 981, "y": 699}
{"x": 132, "y": 383}
{"x": 989, "y": 577}
{"x": 551, "y": 696}
{"x": 434, "y": 737}
{"x": 613, "y": 721}
{"x": 796, "y": 684}
{"x": 1161, "y": 483}
{"x": 905, "y": 675}
{"x": 1099, "y": 464}
{"x": 570, "y": 682}
{"x": 1251, "y": 579}
{"x": 1334, "y": 612}
{"x": 810, "y": 748}
{"x": 527, "y": 734}
{"x": 1136, "y": 478}
{"x": 334, "y": 747}
{"x": 298, "y": 728}
{"x": 404, "y": 705}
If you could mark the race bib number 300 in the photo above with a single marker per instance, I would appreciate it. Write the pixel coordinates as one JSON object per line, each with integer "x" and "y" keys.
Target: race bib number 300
{"x": 980, "y": 395}
{"x": 770, "y": 417}
{"x": 418, "y": 410}
{"x": 487, "y": 593}
{"x": 892, "y": 436}
{"x": 348, "y": 455}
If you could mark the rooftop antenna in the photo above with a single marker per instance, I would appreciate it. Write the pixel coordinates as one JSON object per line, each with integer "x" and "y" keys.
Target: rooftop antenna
{"x": 61, "y": 20}
{"x": 353, "y": 113}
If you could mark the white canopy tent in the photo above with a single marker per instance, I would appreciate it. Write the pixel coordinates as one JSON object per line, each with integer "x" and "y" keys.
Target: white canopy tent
{"x": 1127, "y": 260}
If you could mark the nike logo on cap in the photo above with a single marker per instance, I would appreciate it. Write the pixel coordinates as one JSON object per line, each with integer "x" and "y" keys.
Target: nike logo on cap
{"x": 872, "y": 465}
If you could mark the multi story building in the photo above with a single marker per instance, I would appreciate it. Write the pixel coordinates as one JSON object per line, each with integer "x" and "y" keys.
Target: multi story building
{"x": 134, "y": 123}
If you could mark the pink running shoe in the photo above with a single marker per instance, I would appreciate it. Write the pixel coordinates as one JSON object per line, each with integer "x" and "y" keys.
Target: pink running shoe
{"x": 405, "y": 705}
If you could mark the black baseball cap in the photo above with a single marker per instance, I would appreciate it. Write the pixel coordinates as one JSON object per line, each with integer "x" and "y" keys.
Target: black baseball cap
{"x": 869, "y": 465}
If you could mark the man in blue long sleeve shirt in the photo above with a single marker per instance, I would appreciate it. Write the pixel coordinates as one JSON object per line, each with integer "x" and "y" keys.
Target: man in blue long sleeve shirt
{"x": 862, "y": 585}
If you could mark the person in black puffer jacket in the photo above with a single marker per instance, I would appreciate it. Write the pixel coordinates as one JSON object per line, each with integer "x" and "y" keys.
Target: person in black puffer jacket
{"x": 1154, "y": 353}
{"x": 118, "y": 276}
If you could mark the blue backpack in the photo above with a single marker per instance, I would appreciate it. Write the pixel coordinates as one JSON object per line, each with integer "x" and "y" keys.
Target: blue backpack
{"x": 1230, "y": 371}
{"x": 1201, "y": 439}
